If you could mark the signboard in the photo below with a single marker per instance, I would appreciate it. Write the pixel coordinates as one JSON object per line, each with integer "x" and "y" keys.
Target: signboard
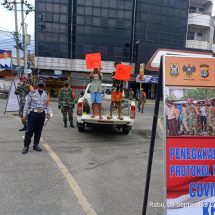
{"x": 123, "y": 72}
{"x": 12, "y": 101}
{"x": 141, "y": 72}
{"x": 150, "y": 79}
{"x": 58, "y": 72}
{"x": 189, "y": 113}
{"x": 93, "y": 61}
{"x": 5, "y": 59}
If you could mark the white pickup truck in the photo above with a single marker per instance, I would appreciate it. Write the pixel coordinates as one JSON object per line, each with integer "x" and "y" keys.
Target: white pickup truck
{"x": 84, "y": 111}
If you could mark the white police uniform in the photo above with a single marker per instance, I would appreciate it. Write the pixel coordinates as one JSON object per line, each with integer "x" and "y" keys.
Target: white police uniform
{"x": 36, "y": 106}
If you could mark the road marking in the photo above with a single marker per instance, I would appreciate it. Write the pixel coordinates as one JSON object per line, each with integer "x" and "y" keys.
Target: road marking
{"x": 86, "y": 206}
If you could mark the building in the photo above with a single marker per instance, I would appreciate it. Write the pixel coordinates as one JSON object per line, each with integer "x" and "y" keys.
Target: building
{"x": 129, "y": 31}
{"x": 200, "y": 25}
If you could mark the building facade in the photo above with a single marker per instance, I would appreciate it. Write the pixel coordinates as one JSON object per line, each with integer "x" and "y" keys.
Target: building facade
{"x": 200, "y": 25}
{"x": 129, "y": 31}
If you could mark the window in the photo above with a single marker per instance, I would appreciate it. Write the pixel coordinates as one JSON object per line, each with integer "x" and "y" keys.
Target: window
{"x": 56, "y": 8}
{"x": 104, "y": 21}
{"x": 89, "y": 11}
{"x": 49, "y": 7}
{"x": 63, "y": 19}
{"x": 190, "y": 35}
{"x": 103, "y": 51}
{"x": 192, "y": 10}
{"x": 118, "y": 52}
{"x": 96, "y": 21}
{"x": 201, "y": 10}
{"x": 199, "y": 36}
{"x": 96, "y": 12}
{"x": 97, "y": 3}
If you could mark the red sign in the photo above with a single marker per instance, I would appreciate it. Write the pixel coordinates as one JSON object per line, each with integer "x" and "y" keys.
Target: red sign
{"x": 93, "y": 61}
{"x": 123, "y": 72}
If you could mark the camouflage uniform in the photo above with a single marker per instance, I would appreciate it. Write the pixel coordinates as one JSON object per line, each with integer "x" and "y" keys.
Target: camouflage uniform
{"x": 142, "y": 101}
{"x": 210, "y": 110}
{"x": 66, "y": 104}
{"x": 192, "y": 118}
{"x": 22, "y": 90}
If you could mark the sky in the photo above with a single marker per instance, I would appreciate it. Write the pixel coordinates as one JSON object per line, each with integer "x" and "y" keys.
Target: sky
{"x": 7, "y": 23}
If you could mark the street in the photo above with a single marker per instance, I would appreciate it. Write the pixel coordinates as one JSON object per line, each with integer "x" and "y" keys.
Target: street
{"x": 98, "y": 172}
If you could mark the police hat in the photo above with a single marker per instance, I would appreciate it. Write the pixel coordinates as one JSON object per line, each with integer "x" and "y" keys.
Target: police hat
{"x": 41, "y": 82}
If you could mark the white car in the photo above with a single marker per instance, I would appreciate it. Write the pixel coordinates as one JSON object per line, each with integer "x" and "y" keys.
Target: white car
{"x": 84, "y": 111}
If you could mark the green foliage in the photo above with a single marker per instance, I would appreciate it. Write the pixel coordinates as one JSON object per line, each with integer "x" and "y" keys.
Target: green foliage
{"x": 199, "y": 93}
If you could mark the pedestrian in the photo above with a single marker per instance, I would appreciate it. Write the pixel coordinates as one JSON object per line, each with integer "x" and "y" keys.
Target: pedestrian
{"x": 210, "y": 109}
{"x": 131, "y": 94}
{"x": 137, "y": 93}
{"x": 172, "y": 117}
{"x": 66, "y": 103}
{"x": 203, "y": 117}
{"x": 192, "y": 117}
{"x": 185, "y": 128}
{"x": 141, "y": 100}
{"x": 36, "y": 109}
{"x": 22, "y": 91}
{"x": 116, "y": 95}
{"x": 96, "y": 92}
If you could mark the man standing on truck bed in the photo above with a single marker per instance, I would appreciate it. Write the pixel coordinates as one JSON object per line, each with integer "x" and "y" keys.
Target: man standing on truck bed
{"x": 116, "y": 96}
{"x": 96, "y": 92}
{"x": 66, "y": 103}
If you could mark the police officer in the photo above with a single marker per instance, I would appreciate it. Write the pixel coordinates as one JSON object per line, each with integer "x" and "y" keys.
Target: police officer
{"x": 22, "y": 90}
{"x": 66, "y": 103}
{"x": 37, "y": 102}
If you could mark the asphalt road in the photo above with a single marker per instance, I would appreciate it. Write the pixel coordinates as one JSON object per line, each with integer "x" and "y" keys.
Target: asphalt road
{"x": 100, "y": 170}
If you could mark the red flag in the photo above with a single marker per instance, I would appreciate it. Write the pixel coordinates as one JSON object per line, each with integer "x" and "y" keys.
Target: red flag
{"x": 123, "y": 72}
{"x": 93, "y": 61}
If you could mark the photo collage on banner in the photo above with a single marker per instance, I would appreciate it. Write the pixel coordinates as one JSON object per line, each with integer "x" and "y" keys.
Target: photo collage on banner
{"x": 189, "y": 115}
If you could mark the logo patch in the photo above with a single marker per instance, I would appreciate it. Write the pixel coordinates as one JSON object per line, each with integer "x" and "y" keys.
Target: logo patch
{"x": 174, "y": 70}
{"x": 189, "y": 70}
{"x": 204, "y": 70}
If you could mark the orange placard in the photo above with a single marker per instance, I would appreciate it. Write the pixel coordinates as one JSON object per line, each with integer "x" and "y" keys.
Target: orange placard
{"x": 123, "y": 72}
{"x": 93, "y": 61}
{"x": 189, "y": 71}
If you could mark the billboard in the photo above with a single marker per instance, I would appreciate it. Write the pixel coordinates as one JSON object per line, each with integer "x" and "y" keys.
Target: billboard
{"x": 189, "y": 113}
{"x": 5, "y": 59}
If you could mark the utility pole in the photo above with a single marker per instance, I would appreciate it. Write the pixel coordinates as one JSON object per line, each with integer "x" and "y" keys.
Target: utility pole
{"x": 16, "y": 33}
{"x": 24, "y": 37}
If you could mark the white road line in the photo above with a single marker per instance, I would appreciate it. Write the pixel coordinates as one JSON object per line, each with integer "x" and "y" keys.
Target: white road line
{"x": 86, "y": 206}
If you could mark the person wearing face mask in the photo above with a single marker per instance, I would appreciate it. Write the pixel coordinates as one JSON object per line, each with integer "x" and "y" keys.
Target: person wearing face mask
{"x": 37, "y": 104}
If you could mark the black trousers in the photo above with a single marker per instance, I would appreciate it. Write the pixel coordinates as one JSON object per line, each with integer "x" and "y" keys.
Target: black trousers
{"x": 34, "y": 126}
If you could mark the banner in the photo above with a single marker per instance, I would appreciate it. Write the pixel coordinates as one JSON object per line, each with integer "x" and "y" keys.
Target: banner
{"x": 153, "y": 79}
{"x": 5, "y": 59}
{"x": 12, "y": 101}
{"x": 189, "y": 113}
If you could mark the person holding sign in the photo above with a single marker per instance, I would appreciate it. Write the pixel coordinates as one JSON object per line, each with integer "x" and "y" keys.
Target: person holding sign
{"x": 116, "y": 96}
{"x": 96, "y": 92}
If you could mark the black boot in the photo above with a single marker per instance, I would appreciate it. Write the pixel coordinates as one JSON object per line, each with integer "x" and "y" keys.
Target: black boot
{"x": 71, "y": 124}
{"x": 37, "y": 148}
{"x": 24, "y": 128}
{"x": 65, "y": 124}
{"x": 25, "y": 150}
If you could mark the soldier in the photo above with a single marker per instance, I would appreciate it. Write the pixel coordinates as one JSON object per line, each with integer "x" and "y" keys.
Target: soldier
{"x": 192, "y": 117}
{"x": 37, "y": 102}
{"x": 66, "y": 103}
{"x": 23, "y": 90}
{"x": 210, "y": 110}
{"x": 141, "y": 100}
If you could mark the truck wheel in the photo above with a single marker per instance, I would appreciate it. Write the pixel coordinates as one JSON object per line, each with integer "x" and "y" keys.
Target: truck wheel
{"x": 81, "y": 127}
{"x": 125, "y": 130}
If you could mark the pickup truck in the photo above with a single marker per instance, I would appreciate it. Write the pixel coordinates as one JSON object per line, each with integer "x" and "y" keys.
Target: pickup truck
{"x": 84, "y": 111}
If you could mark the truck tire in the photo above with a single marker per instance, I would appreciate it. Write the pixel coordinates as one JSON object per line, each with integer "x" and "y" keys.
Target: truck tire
{"x": 125, "y": 130}
{"x": 81, "y": 127}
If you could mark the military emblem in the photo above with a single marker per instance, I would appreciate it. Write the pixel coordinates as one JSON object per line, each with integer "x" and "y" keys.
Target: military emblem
{"x": 204, "y": 70}
{"x": 174, "y": 70}
{"x": 189, "y": 70}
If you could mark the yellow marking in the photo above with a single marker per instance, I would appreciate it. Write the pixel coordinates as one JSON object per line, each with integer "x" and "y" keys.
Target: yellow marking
{"x": 86, "y": 206}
